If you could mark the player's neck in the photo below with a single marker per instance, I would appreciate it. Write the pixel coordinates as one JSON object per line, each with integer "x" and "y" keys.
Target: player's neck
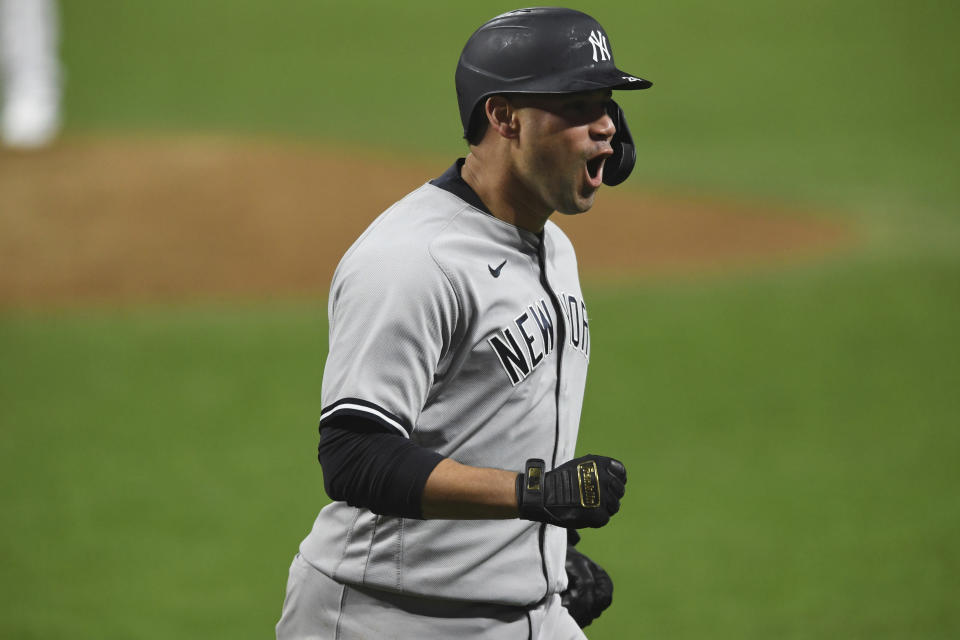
{"x": 506, "y": 199}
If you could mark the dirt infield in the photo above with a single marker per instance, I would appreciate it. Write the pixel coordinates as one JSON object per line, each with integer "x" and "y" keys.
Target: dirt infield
{"x": 129, "y": 220}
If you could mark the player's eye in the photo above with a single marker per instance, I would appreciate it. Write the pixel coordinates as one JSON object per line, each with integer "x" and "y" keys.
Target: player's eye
{"x": 584, "y": 110}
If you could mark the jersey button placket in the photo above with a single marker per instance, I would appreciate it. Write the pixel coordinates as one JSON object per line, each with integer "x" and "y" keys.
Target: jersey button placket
{"x": 560, "y": 339}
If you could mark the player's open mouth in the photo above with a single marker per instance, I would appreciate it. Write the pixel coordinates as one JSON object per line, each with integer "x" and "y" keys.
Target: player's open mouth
{"x": 595, "y": 170}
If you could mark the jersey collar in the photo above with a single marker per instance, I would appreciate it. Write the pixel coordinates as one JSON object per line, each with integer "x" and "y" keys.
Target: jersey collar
{"x": 452, "y": 182}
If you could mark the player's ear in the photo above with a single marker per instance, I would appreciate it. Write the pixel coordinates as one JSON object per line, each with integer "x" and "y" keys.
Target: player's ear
{"x": 502, "y": 116}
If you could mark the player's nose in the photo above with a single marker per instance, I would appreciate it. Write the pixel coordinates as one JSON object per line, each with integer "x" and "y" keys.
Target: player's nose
{"x": 603, "y": 127}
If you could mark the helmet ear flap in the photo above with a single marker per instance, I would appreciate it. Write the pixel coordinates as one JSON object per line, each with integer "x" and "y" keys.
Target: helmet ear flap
{"x": 618, "y": 166}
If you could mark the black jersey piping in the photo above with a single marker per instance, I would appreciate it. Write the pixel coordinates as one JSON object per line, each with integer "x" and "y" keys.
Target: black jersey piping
{"x": 560, "y": 343}
{"x": 561, "y": 338}
{"x": 369, "y": 410}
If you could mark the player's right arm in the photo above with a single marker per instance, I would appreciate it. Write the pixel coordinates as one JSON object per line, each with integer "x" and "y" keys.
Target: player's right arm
{"x": 390, "y": 475}
{"x": 459, "y": 491}
{"x": 584, "y": 492}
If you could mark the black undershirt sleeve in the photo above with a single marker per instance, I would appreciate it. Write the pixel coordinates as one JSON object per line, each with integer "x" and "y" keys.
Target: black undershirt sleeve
{"x": 367, "y": 466}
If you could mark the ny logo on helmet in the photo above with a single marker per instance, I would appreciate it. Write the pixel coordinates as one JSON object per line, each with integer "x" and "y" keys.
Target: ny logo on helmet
{"x": 599, "y": 42}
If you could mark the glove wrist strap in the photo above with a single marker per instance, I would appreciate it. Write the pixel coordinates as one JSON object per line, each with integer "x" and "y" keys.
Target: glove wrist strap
{"x": 530, "y": 493}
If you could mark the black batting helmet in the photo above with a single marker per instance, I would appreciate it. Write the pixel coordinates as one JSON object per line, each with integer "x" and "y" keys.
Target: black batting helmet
{"x": 544, "y": 50}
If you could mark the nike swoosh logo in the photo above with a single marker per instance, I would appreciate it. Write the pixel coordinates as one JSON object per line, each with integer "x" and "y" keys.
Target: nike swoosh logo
{"x": 496, "y": 272}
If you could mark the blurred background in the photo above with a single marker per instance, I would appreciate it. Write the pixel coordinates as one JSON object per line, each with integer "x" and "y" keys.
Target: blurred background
{"x": 789, "y": 417}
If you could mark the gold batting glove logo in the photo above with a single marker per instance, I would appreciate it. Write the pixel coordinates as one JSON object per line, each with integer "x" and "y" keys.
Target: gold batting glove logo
{"x": 533, "y": 479}
{"x": 589, "y": 484}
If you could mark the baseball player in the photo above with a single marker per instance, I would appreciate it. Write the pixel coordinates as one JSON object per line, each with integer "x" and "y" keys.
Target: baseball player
{"x": 29, "y": 73}
{"x": 459, "y": 343}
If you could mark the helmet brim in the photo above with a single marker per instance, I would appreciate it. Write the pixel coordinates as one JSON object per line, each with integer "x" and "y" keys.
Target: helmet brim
{"x": 615, "y": 79}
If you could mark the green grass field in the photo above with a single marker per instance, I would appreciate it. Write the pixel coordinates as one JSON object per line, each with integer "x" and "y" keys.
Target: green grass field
{"x": 791, "y": 434}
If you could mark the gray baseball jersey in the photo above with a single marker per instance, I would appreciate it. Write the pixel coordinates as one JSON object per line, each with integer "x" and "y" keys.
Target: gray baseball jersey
{"x": 469, "y": 336}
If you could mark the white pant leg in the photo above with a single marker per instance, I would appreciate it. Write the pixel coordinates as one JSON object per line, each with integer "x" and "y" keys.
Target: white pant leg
{"x": 29, "y": 71}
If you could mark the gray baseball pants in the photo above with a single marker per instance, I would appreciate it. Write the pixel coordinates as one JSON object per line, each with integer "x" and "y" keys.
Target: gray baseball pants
{"x": 319, "y": 608}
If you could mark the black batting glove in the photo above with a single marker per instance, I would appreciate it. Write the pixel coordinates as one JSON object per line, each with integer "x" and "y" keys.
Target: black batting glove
{"x": 583, "y": 492}
{"x": 589, "y": 588}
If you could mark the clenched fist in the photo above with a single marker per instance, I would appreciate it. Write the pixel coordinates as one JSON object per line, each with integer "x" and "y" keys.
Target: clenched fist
{"x": 583, "y": 492}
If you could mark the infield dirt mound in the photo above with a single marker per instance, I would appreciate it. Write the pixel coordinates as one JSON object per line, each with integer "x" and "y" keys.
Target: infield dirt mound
{"x": 128, "y": 220}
